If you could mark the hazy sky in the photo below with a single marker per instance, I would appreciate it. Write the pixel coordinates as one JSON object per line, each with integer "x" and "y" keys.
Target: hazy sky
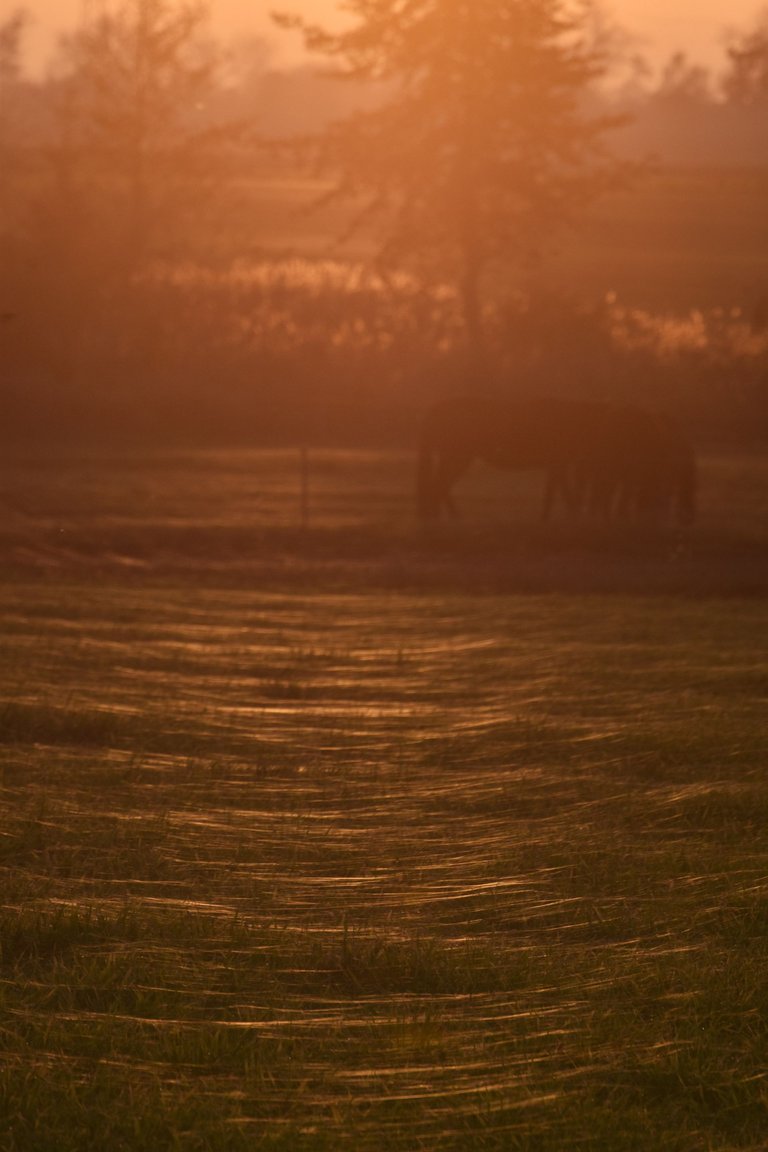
{"x": 662, "y": 26}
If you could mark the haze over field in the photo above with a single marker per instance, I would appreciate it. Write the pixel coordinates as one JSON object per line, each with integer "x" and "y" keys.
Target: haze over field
{"x": 660, "y": 28}
{"x": 384, "y": 577}
{"x": 170, "y": 204}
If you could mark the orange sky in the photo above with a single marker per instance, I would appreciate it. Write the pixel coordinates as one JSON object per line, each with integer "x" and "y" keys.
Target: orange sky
{"x": 661, "y": 26}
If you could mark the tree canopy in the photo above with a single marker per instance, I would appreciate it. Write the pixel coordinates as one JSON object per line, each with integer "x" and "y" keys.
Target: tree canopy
{"x": 746, "y": 80}
{"x": 133, "y": 78}
{"x": 483, "y": 146}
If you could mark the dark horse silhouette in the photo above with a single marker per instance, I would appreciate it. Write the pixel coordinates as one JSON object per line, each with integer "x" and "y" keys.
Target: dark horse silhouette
{"x": 605, "y": 459}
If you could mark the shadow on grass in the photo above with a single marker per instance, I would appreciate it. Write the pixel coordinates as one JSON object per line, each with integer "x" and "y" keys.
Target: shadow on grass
{"x": 461, "y": 557}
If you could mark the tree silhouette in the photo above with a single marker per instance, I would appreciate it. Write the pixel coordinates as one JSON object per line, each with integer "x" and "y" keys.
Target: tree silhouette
{"x": 134, "y": 78}
{"x": 746, "y": 79}
{"x": 482, "y": 147}
{"x": 12, "y": 32}
{"x": 684, "y": 83}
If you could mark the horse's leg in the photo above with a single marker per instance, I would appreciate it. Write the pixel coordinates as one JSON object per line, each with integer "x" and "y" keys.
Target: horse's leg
{"x": 604, "y": 490}
{"x": 575, "y": 487}
{"x": 546, "y": 503}
{"x": 578, "y": 491}
{"x": 447, "y": 472}
{"x": 563, "y": 483}
{"x": 552, "y": 485}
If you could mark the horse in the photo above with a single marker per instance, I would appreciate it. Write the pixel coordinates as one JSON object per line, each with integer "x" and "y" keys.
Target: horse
{"x": 605, "y": 459}
{"x": 541, "y": 433}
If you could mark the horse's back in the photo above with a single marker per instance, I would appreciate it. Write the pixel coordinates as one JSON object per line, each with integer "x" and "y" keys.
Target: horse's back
{"x": 505, "y": 431}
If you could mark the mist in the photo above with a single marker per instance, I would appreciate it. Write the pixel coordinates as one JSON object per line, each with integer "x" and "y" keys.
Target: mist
{"x": 192, "y": 222}
{"x": 383, "y": 570}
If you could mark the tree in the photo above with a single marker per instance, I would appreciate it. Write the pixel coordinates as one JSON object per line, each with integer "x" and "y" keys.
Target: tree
{"x": 133, "y": 82}
{"x": 483, "y": 148}
{"x": 683, "y": 83}
{"x": 12, "y": 125}
{"x": 12, "y": 32}
{"x": 125, "y": 175}
{"x": 746, "y": 79}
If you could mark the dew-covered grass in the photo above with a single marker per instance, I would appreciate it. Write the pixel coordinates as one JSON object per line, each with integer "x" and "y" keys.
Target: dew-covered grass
{"x": 349, "y": 839}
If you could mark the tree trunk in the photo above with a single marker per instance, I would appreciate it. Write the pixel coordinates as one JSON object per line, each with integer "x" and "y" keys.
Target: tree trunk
{"x": 477, "y": 367}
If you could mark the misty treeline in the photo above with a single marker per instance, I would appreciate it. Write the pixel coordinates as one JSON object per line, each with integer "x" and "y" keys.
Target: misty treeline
{"x": 139, "y": 297}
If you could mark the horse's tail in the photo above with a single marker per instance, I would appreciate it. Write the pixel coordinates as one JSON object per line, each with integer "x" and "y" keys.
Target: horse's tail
{"x": 427, "y": 500}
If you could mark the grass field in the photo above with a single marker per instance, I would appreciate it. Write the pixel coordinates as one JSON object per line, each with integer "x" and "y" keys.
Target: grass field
{"x": 340, "y": 836}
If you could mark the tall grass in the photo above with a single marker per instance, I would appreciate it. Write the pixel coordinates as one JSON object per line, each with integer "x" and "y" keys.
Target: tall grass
{"x": 385, "y": 854}
{"x": 262, "y": 351}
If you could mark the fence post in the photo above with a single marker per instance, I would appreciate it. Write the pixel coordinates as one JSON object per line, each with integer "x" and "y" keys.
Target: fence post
{"x": 304, "y": 486}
